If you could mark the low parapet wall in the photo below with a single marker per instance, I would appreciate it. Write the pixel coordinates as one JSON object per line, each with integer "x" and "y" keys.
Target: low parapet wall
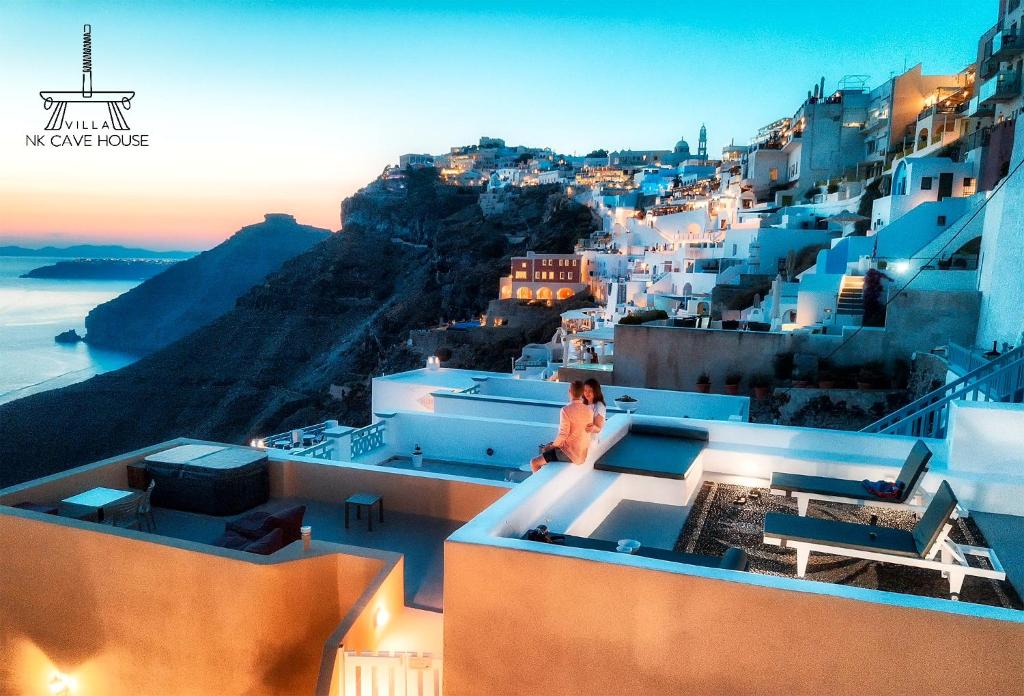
{"x": 123, "y": 612}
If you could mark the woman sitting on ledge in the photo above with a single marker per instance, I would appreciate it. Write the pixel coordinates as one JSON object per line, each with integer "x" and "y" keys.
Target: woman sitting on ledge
{"x": 573, "y": 439}
{"x": 593, "y": 397}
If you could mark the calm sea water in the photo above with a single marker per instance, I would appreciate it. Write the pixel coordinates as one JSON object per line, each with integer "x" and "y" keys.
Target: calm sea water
{"x": 32, "y": 312}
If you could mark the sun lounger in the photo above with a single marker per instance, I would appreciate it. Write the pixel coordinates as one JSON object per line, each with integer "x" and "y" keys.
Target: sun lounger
{"x": 808, "y": 488}
{"x": 927, "y": 546}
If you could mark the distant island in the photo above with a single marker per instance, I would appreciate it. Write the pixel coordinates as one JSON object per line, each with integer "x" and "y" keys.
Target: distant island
{"x": 102, "y": 269}
{"x": 95, "y": 251}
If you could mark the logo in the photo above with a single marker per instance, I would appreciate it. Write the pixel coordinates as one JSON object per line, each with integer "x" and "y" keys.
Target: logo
{"x": 80, "y": 129}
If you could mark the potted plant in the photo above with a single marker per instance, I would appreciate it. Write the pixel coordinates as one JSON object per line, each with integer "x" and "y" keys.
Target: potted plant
{"x": 866, "y": 379}
{"x": 801, "y": 381}
{"x": 704, "y": 383}
{"x": 826, "y": 379}
{"x": 627, "y": 403}
{"x": 732, "y": 383}
{"x": 417, "y": 457}
{"x": 762, "y": 385}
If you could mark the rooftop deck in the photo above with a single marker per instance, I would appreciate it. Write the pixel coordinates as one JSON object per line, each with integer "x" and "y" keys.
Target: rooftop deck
{"x": 419, "y": 538}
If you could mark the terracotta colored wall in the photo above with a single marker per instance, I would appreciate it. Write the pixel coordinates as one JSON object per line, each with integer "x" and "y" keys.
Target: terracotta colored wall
{"x": 546, "y": 625}
{"x": 128, "y": 616}
{"x": 434, "y": 497}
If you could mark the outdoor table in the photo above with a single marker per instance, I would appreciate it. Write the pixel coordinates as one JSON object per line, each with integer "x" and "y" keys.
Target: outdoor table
{"x": 91, "y": 502}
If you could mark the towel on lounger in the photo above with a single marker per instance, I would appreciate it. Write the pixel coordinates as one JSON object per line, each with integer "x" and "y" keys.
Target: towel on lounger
{"x": 883, "y": 489}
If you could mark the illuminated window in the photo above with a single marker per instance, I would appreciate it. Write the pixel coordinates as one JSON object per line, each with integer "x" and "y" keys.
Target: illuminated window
{"x": 520, "y": 275}
{"x": 773, "y": 174}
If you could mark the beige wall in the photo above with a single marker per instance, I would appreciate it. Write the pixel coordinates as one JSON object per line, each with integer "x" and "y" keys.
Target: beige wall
{"x": 418, "y": 495}
{"x": 546, "y": 625}
{"x": 127, "y": 616}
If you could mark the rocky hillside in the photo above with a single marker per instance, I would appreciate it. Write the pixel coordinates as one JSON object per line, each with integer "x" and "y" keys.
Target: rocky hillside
{"x": 193, "y": 293}
{"x": 335, "y": 315}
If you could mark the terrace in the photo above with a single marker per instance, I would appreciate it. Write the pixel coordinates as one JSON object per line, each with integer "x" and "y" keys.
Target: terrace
{"x": 687, "y": 505}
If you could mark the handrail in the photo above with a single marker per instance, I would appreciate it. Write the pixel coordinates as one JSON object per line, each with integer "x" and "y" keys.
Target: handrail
{"x": 977, "y": 382}
{"x": 933, "y": 420}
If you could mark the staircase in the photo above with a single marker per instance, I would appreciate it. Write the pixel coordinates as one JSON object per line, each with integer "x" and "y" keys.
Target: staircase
{"x": 1000, "y": 379}
{"x": 851, "y": 297}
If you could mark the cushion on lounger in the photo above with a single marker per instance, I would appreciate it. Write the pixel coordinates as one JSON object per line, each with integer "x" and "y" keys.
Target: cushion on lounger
{"x": 821, "y": 485}
{"x": 273, "y": 541}
{"x": 847, "y": 535}
{"x": 680, "y": 431}
{"x": 914, "y": 468}
{"x": 928, "y": 528}
{"x": 734, "y": 559}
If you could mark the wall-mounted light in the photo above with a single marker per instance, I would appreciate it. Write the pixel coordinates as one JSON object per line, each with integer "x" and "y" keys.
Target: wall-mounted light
{"x": 381, "y": 617}
{"x": 901, "y": 267}
{"x": 61, "y": 684}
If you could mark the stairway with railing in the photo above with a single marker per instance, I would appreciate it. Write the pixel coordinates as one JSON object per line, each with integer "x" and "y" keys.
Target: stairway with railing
{"x": 1000, "y": 379}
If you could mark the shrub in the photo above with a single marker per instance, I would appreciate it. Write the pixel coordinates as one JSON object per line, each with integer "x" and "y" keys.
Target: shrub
{"x": 761, "y": 380}
{"x": 782, "y": 364}
{"x": 644, "y": 317}
{"x": 733, "y": 378}
{"x": 704, "y": 378}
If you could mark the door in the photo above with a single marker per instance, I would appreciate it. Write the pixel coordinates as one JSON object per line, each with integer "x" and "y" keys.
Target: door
{"x": 945, "y": 186}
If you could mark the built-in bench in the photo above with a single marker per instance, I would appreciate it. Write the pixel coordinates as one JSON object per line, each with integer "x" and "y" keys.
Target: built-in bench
{"x": 662, "y": 451}
{"x": 733, "y": 559}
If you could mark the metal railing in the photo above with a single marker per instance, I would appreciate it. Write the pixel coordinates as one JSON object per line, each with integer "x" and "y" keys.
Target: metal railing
{"x": 368, "y": 439}
{"x": 1000, "y": 379}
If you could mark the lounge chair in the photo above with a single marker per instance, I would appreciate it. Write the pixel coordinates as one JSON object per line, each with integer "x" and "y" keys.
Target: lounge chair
{"x": 918, "y": 548}
{"x": 807, "y": 488}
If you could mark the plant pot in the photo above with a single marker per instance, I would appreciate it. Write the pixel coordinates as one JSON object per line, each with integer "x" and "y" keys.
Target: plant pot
{"x": 702, "y": 387}
{"x": 826, "y": 384}
{"x": 732, "y": 389}
{"x": 761, "y": 393}
{"x": 865, "y": 386}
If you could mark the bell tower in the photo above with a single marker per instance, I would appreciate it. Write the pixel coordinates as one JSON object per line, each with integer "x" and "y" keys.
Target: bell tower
{"x": 702, "y": 144}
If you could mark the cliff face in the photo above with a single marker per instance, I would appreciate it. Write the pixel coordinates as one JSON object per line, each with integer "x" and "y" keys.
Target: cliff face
{"x": 336, "y": 315}
{"x": 194, "y": 292}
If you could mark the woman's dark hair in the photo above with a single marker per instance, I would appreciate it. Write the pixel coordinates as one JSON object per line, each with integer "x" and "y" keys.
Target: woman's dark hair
{"x": 598, "y": 394}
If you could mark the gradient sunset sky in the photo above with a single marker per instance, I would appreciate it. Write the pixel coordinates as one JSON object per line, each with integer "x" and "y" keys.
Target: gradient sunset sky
{"x": 291, "y": 106}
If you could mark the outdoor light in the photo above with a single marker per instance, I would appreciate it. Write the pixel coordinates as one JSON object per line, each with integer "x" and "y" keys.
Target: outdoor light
{"x": 61, "y": 684}
{"x": 901, "y": 267}
{"x": 380, "y": 617}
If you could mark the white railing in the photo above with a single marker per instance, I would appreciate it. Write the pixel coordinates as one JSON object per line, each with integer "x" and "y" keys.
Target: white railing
{"x": 310, "y": 431}
{"x": 1000, "y": 379}
{"x": 390, "y": 674}
{"x": 322, "y": 450}
{"x": 368, "y": 439}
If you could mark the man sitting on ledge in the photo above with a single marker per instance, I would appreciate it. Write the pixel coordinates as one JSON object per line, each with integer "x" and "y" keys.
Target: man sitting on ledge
{"x": 573, "y": 439}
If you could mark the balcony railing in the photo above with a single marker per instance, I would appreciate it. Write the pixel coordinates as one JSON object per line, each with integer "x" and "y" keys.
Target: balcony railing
{"x": 1005, "y": 45}
{"x": 1003, "y": 87}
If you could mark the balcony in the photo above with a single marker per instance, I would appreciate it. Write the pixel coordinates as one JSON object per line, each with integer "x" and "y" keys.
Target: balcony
{"x": 978, "y": 110}
{"x": 1005, "y": 45}
{"x": 1001, "y": 88}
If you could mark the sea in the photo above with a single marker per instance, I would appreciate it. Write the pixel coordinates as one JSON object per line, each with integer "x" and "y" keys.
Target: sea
{"x": 32, "y": 312}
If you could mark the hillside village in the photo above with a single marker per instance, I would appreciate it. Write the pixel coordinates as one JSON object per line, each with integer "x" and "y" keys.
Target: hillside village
{"x": 635, "y": 421}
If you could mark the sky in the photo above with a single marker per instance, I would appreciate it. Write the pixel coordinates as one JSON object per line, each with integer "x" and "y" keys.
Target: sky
{"x": 255, "y": 107}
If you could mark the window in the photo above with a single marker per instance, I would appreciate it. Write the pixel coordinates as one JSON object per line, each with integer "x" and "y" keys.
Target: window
{"x": 941, "y": 221}
{"x": 773, "y": 174}
{"x": 536, "y": 275}
{"x": 520, "y": 275}
{"x": 968, "y": 182}
{"x": 926, "y": 183}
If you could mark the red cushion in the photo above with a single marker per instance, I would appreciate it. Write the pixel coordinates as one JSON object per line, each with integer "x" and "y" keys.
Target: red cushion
{"x": 258, "y": 524}
{"x": 232, "y": 540}
{"x": 267, "y": 544}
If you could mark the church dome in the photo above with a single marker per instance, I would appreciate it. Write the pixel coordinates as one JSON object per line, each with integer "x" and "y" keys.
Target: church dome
{"x": 682, "y": 146}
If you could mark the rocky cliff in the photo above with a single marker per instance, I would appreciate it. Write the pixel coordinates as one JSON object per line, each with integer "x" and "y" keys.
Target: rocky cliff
{"x": 194, "y": 292}
{"x": 335, "y": 315}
